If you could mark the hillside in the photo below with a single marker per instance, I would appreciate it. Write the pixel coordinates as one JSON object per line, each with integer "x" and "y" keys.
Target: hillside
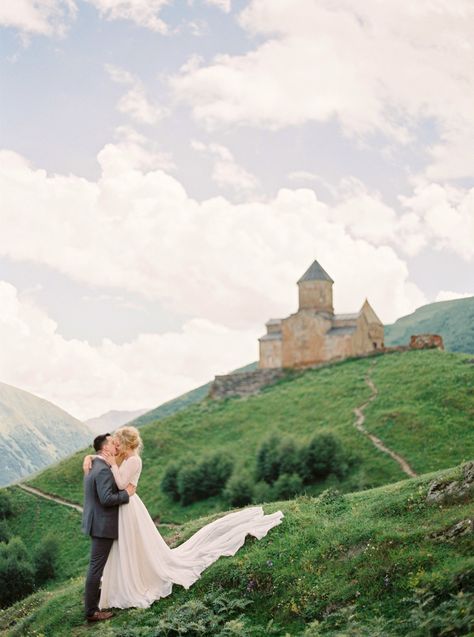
{"x": 454, "y": 320}
{"x": 34, "y": 433}
{"x": 382, "y": 562}
{"x": 423, "y": 409}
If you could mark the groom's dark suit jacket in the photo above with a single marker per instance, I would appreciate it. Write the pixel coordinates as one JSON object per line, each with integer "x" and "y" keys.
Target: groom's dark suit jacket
{"x": 102, "y": 499}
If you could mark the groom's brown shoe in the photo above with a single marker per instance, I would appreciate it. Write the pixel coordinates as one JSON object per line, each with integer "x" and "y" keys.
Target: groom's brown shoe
{"x": 99, "y": 616}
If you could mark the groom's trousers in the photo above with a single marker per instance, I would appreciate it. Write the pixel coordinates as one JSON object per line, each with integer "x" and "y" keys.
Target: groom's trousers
{"x": 100, "y": 550}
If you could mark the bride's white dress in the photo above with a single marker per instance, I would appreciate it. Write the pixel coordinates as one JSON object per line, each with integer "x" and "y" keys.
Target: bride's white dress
{"x": 141, "y": 567}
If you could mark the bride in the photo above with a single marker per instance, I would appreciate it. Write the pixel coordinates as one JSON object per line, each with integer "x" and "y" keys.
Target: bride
{"x": 141, "y": 567}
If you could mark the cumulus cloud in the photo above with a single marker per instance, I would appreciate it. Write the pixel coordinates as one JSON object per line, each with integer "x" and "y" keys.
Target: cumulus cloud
{"x": 376, "y": 67}
{"x": 447, "y": 295}
{"x": 38, "y": 17}
{"x": 136, "y": 229}
{"x": 226, "y": 171}
{"x": 87, "y": 380}
{"x": 135, "y": 101}
{"x": 144, "y": 13}
{"x": 442, "y": 215}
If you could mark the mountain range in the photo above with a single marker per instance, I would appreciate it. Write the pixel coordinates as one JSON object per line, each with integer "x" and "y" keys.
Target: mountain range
{"x": 111, "y": 420}
{"x": 34, "y": 433}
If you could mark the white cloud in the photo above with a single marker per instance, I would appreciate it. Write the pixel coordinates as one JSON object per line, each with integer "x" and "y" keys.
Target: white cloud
{"x": 119, "y": 75}
{"x": 376, "y": 67}
{"x": 87, "y": 380}
{"x": 446, "y": 295}
{"x": 442, "y": 215}
{"x": 136, "y": 229}
{"x": 38, "y": 17}
{"x": 144, "y": 13}
{"x": 135, "y": 102}
{"x": 226, "y": 171}
{"x": 223, "y": 5}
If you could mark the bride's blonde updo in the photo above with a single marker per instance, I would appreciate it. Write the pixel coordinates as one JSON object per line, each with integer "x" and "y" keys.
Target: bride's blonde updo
{"x": 130, "y": 439}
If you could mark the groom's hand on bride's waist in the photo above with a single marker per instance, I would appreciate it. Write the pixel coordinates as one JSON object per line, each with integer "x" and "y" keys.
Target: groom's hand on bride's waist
{"x": 131, "y": 490}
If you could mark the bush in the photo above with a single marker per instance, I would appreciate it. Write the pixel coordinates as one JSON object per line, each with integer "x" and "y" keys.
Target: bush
{"x": 262, "y": 492}
{"x": 198, "y": 481}
{"x": 269, "y": 460}
{"x": 169, "y": 483}
{"x": 287, "y": 486}
{"x": 320, "y": 458}
{"x": 17, "y": 577}
{"x": 289, "y": 456}
{"x": 6, "y": 508}
{"x": 239, "y": 490}
{"x": 45, "y": 561}
{"x": 4, "y": 531}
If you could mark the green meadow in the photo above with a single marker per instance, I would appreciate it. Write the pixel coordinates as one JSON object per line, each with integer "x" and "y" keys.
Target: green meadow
{"x": 356, "y": 556}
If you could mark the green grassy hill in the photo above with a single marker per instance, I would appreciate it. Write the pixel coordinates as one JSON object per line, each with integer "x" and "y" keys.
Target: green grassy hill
{"x": 424, "y": 405}
{"x": 454, "y": 320}
{"x": 314, "y": 566}
{"x": 381, "y": 562}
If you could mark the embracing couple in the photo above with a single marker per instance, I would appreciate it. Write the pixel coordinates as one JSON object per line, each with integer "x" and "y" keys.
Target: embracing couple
{"x": 130, "y": 563}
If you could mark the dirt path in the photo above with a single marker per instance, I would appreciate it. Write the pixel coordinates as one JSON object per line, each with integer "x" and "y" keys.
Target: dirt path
{"x": 46, "y": 496}
{"x": 359, "y": 424}
{"x": 76, "y": 507}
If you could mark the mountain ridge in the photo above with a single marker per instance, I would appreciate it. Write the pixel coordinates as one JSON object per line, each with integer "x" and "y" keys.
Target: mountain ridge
{"x": 34, "y": 432}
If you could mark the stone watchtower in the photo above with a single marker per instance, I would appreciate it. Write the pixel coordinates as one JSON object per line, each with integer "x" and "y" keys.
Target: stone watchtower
{"x": 315, "y": 290}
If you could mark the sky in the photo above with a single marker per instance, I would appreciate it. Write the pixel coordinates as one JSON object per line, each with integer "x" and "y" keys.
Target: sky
{"x": 169, "y": 169}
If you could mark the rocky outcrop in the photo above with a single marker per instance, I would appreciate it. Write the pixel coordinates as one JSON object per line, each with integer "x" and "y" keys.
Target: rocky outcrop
{"x": 440, "y": 492}
{"x": 463, "y": 527}
{"x": 244, "y": 383}
{"x": 426, "y": 341}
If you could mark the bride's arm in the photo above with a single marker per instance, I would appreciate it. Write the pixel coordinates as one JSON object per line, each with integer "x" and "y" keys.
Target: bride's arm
{"x": 87, "y": 463}
{"x": 125, "y": 472}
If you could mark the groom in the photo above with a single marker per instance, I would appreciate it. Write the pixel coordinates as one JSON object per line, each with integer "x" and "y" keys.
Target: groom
{"x": 102, "y": 499}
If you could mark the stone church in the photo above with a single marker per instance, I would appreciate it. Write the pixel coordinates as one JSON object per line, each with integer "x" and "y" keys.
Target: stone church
{"x": 314, "y": 334}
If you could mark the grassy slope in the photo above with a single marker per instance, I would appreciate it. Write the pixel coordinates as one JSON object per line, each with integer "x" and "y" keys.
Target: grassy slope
{"x": 411, "y": 414}
{"x": 35, "y": 518}
{"x": 425, "y": 408}
{"x": 454, "y": 320}
{"x": 372, "y": 550}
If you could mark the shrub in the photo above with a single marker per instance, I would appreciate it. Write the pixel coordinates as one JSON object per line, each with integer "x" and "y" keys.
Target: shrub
{"x": 320, "y": 458}
{"x": 287, "y": 486}
{"x": 17, "y": 578}
{"x": 45, "y": 560}
{"x": 198, "y": 481}
{"x": 6, "y": 508}
{"x": 239, "y": 490}
{"x": 262, "y": 492}
{"x": 289, "y": 456}
{"x": 4, "y": 531}
{"x": 188, "y": 486}
{"x": 169, "y": 483}
{"x": 269, "y": 460}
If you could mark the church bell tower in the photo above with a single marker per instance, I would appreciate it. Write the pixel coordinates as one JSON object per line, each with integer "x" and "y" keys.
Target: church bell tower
{"x": 315, "y": 290}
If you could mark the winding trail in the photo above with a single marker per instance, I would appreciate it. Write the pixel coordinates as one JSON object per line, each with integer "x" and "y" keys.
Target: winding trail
{"x": 359, "y": 424}
{"x": 76, "y": 507}
{"x": 46, "y": 496}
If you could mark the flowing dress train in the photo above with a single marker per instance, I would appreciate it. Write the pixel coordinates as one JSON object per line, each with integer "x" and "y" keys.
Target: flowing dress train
{"x": 141, "y": 567}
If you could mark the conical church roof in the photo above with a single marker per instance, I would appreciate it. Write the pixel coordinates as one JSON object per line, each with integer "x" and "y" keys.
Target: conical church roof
{"x": 315, "y": 272}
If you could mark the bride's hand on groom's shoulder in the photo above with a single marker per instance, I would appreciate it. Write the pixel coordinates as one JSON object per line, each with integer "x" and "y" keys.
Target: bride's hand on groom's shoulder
{"x": 87, "y": 464}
